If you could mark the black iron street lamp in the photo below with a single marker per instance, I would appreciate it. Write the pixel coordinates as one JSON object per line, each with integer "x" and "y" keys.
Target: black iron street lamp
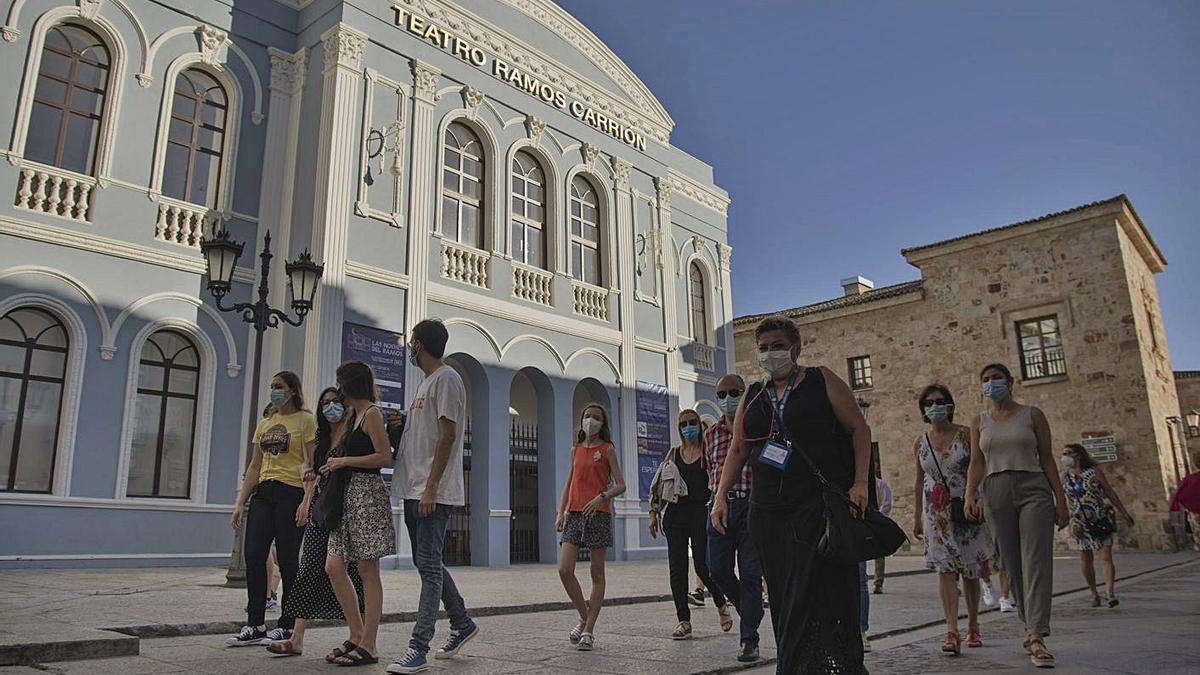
{"x": 220, "y": 255}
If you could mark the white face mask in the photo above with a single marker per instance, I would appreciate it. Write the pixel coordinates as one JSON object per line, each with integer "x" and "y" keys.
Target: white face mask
{"x": 1068, "y": 461}
{"x": 776, "y": 363}
{"x": 591, "y": 426}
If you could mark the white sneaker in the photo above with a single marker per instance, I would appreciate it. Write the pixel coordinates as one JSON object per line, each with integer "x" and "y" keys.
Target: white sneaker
{"x": 989, "y": 595}
{"x": 1007, "y": 605}
{"x": 866, "y": 644}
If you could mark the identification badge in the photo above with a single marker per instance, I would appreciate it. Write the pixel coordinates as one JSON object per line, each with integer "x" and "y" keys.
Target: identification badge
{"x": 775, "y": 455}
{"x": 596, "y": 456}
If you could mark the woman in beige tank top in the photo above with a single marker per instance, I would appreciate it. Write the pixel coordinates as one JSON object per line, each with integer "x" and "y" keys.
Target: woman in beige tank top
{"x": 1012, "y": 457}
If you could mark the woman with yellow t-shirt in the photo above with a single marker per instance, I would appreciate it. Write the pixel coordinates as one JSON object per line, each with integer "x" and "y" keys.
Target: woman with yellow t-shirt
{"x": 279, "y": 476}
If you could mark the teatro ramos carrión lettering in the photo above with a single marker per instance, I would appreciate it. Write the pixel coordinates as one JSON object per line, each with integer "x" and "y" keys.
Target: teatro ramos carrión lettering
{"x": 463, "y": 49}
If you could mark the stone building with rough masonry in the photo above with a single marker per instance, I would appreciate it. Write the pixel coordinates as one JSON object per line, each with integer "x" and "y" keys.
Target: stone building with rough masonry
{"x": 1187, "y": 388}
{"x": 1068, "y": 301}
{"x": 490, "y": 163}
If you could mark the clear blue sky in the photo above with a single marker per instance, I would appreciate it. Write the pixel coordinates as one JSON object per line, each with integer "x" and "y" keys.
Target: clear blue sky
{"x": 845, "y": 131}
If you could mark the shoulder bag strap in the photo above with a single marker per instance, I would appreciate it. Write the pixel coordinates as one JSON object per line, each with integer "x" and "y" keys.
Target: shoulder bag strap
{"x": 933, "y": 453}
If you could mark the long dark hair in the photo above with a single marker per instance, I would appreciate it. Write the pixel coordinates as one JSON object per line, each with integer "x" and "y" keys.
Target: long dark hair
{"x": 292, "y": 380}
{"x": 324, "y": 430}
{"x": 1000, "y": 367}
{"x": 1084, "y": 457}
{"x": 357, "y": 380}
{"x": 605, "y": 434}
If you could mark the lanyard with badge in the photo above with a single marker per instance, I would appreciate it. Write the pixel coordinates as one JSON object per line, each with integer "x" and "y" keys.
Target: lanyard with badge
{"x": 775, "y": 454}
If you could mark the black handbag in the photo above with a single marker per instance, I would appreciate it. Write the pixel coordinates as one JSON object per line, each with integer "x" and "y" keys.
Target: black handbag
{"x": 958, "y": 510}
{"x": 850, "y": 534}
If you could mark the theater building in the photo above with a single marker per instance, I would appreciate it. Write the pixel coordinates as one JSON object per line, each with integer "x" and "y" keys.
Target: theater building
{"x": 1068, "y": 301}
{"x": 487, "y": 162}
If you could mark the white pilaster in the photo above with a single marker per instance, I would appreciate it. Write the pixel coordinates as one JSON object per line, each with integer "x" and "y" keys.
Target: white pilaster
{"x": 665, "y": 260}
{"x": 724, "y": 253}
{"x": 422, "y": 194}
{"x": 623, "y": 208}
{"x": 275, "y": 199}
{"x": 335, "y": 183}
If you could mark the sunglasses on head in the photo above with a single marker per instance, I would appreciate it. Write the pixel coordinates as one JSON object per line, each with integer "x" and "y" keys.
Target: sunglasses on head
{"x": 722, "y": 393}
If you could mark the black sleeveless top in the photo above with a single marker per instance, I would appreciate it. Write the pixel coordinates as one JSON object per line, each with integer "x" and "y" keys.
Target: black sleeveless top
{"x": 696, "y": 478}
{"x": 358, "y": 444}
{"x": 813, "y": 428}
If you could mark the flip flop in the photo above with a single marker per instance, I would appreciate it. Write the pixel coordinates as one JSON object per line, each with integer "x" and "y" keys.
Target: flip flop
{"x": 283, "y": 648}
{"x": 339, "y": 652}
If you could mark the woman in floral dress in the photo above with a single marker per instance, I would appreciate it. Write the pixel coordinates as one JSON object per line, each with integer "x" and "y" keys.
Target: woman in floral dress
{"x": 1093, "y": 519}
{"x": 953, "y": 549}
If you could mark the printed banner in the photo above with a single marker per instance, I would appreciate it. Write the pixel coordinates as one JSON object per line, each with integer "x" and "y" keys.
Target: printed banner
{"x": 653, "y": 431}
{"x": 384, "y": 351}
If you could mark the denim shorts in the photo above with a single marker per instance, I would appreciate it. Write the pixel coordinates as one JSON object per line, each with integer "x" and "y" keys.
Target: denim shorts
{"x": 594, "y": 531}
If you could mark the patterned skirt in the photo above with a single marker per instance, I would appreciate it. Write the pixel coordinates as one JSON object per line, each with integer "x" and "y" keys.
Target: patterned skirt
{"x": 312, "y": 594}
{"x": 366, "y": 531}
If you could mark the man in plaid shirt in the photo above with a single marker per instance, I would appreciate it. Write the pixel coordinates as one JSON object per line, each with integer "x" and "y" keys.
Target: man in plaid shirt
{"x": 735, "y": 544}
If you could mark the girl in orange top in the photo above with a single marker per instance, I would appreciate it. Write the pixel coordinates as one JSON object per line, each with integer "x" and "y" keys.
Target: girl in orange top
{"x": 585, "y": 516}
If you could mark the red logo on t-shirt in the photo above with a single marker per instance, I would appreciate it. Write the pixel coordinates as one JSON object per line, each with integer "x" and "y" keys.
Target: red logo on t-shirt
{"x": 274, "y": 440}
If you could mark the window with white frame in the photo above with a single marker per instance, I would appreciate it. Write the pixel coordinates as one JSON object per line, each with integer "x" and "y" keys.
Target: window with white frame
{"x": 528, "y": 210}
{"x": 68, "y": 101}
{"x": 699, "y": 300}
{"x": 164, "y": 420}
{"x": 195, "y": 139}
{"x": 1041, "y": 348}
{"x": 33, "y": 367}
{"x": 860, "y": 372}
{"x": 585, "y": 232}
{"x": 462, "y": 186}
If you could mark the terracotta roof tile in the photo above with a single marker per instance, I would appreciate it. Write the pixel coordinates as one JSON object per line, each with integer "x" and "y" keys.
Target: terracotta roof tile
{"x": 838, "y": 303}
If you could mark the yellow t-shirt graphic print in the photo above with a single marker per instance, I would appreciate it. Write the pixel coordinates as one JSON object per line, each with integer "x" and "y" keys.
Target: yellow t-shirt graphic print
{"x": 281, "y": 439}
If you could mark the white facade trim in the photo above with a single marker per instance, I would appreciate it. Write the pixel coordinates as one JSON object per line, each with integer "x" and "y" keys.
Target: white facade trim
{"x": 393, "y": 215}
{"x": 109, "y": 348}
{"x": 495, "y": 214}
{"x": 530, "y": 316}
{"x": 690, "y": 376}
{"x": 649, "y": 345}
{"x": 112, "y": 100}
{"x": 710, "y": 197}
{"x": 89, "y": 298}
{"x": 201, "y": 432}
{"x": 376, "y": 275}
{"x": 564, "y": 363}
{"x": 11, "y": 32}
{"x": 68, "y": 416}
{"x": 229, "y": 143}
{"x": 554, "y": 214}
{"x": 608, "y": 239}
{"x": 711, "y": 284}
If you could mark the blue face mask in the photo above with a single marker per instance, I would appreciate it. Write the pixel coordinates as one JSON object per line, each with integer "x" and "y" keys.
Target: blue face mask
{"x": 729, "y": 404}
{"x": 937, "y": 412}
{"x": 278, "y": 398}
{"x": 333, "y": 412}
{"x": 995, "y": 389}
{"x": 690, "y": 433}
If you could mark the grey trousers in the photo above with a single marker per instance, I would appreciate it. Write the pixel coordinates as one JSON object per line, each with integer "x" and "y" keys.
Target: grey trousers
{"x": 1020, "y": 510}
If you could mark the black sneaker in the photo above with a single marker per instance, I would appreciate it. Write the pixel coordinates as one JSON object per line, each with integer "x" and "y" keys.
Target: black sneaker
{"x": 696, "y": 597}
{"x": 248, "y": 637}
{"x": 748, "y": 652}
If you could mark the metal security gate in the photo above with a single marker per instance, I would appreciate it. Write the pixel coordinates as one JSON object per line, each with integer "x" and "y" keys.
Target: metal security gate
{"x": 458, "y": 530}
{"x": 523, "y": 492}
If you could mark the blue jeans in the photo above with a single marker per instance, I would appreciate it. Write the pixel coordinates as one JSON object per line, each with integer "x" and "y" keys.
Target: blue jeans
{"x": 864, "y": 600}
{"x": 745, "y": 593}
{"x": 428, "y": 537}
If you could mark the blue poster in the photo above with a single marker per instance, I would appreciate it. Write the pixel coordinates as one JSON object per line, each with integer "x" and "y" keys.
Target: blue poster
{"x": 653, "y": 431}
{"x": 385, "y": 352}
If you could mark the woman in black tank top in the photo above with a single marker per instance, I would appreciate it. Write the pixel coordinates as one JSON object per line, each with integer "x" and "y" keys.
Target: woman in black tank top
{"x": 814, "y": 602}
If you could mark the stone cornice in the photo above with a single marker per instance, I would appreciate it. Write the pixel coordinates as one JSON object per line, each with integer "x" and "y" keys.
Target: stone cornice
{"x": 709, "y": 197}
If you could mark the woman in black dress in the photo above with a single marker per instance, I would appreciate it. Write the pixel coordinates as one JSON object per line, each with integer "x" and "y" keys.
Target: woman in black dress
{"x": 313, "y": 597}
{"x": 814, "y": 602}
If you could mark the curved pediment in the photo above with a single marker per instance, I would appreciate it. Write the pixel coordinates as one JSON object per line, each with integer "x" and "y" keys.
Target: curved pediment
{"x": 591, "y": 72}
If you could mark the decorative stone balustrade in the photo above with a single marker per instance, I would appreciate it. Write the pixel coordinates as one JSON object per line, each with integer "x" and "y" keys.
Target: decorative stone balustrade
{"x": 532, "y": 284}
{"x": 704, "y": 357}
{"x": 57, "y": 192}
{"x": 464, "y": 264}
{"x": 590, "y": 301}
{"x": 182, "y": 223}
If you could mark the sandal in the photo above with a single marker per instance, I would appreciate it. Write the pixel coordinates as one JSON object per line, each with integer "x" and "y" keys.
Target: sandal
{"x": 1095, "y": 601}
{"x": 952, "y": 644}
{"x": 1038, "y": 654}
{"x": 356, "y": 657}
{"x": 974, "y": 640}
{"x": 683, "y": 631}
{"x": 726, "y": 619}
{"x": 586, "y": 642}
{"x": 1113, "y": 601}
{"x": 283, "y": 648}
{"x": 339, "y": 652}
{"x": 576, "y": 633}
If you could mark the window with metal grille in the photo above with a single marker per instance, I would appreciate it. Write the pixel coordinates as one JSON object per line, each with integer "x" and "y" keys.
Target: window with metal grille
{"x": 164, "y": 420}
{"x": 528, "y": 211}
{"x": 699, "y": 300}
{"x": 195, "y": 139}
{"x": 860, "y": 372}
{"x": 1041, "y": 348}
{"x": 68, "y": 102}
{"x": 462, "y": 186}
{"x": 585, "y": 232}
{"x": 33, "y": 366}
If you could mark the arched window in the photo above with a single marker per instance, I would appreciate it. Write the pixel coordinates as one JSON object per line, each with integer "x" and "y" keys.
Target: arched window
{"x": 462, "y": 186}
{"x": 164, "y": 420}
{"x": 68, "y": 103}
{"x": 699, "y": 303}
{"x": 585, "y": 232}
{"x": 33, "y": 365}
{"x": 195, "y": 139}
{"x": 528, "y": 211}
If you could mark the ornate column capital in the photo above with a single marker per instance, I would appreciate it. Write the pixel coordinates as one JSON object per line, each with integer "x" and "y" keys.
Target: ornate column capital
{"x": 664, "y": 192}
{"x": 724, "y": 255}
{"x": 211, "y": 41}
{"x": 621, "y": 170}
{"x": 425, "y": 81}
{"x": 89, "y": 9}
{"x": 343, "y": 47}
{"x": 472, "y": 99}
{"x": 287, "y": 70}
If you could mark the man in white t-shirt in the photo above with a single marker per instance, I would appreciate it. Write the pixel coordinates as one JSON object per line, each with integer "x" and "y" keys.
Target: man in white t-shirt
{"x": 429, "y": 478}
